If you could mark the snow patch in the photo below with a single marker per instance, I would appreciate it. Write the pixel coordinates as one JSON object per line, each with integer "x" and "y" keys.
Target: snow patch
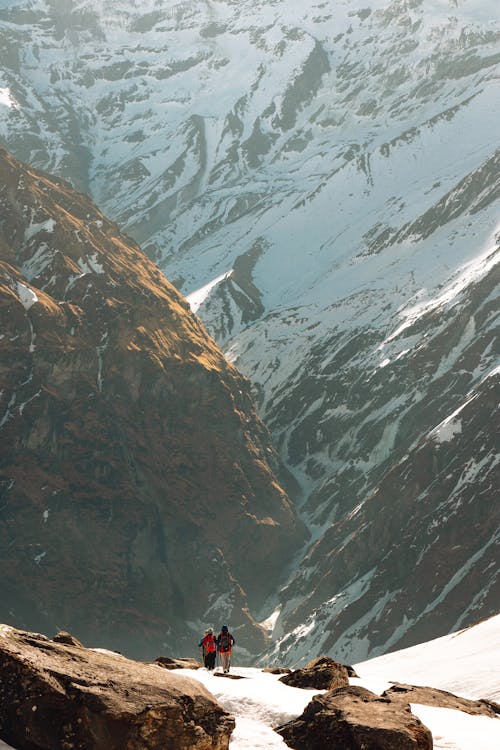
{"x": 36, "y": 227}
{"x": 469, "y": 274}
{"x": 91, "y": 264}
{"x": 196, "y": 298}
{"x": 109, "y": 653}
{"x": 456, "y": 730}
{"x": 451, "y": 426}
{"x": 447, "y": 431}
{"x": 27, "y": 296}
{"x": 6, "y": 98}
{"x": 270, "y": 621}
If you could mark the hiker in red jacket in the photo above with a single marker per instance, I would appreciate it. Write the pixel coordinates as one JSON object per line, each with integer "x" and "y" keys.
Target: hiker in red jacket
{"x": 208, "y": 645}
{"x": 225, "y": 643}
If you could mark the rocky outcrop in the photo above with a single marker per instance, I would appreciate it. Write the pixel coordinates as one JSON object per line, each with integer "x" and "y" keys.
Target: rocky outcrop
{"x": 429, "y": 696}
{"x": 353, "y": 718}
{"x": 55, "y": 696}
{"x": 277, "y": 670}
{"x": 67, "y": 638}
{"x": 321, "y": 673}
{"x": 137, "y": 486}
{"x": 169, "y": 663}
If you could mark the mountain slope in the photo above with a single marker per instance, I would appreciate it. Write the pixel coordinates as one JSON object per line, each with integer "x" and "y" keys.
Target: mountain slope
{"x": 137, "y": 485}
{"x": 321, "y": 180}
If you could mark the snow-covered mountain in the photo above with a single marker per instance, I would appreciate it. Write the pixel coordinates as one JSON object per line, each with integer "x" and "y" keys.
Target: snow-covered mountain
{"x": 322, "y": 181}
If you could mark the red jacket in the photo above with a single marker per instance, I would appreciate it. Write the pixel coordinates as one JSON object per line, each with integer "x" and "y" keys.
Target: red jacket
{"x": 208, "y": 643}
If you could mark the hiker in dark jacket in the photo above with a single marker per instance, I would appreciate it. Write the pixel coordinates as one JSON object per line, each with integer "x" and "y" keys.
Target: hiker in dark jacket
{"x": 208, "y": 645}
{"x": 225, "y": 643}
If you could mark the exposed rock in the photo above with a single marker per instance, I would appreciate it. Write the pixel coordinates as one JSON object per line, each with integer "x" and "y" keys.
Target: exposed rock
{"x": 229, "y": 676}
{"x": 277, "y": 670}
{"x": 353, "y": 718}
{"x": 182, "y": 663}
{"x": 429, "y": 696}
{"x": 67, "y": 638}
{"x": 63, "y": 697}
{"x": 351, "y": 671}
{"x": 321, "y": 673}
{"x": 122, "y": 428}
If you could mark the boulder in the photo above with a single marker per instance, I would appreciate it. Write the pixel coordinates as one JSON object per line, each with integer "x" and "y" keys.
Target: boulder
{"x": 277, "y": 670}
{"x": 63, "y": 637}
{"x": 353, "y": 718}
{"x": 321, "y": 673}
{"x": 55, "y": 696}
{"x": 429, "y": 696}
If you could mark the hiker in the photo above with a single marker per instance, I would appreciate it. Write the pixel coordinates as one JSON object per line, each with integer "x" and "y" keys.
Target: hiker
{"x": 208, "y": 644}
{"x": 225, "y": 643}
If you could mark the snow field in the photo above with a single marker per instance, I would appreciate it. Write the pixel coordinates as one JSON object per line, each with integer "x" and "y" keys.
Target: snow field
{"x": 466, "y": 663}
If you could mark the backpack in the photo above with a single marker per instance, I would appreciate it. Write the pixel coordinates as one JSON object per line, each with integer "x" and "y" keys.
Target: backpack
{"x": 210, "y": 643}
{"x": 225, "y": 642}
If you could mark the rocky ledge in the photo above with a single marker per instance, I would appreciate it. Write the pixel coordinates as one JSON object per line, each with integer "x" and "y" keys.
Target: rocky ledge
{"x": 353, "y": 718}
{"x": 58, "y": 695}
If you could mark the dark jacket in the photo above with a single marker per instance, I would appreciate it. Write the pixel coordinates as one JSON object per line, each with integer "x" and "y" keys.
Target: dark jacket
{"x": 222, "y": 646}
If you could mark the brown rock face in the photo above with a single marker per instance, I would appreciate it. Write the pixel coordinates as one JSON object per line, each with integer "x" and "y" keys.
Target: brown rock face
{"x": 137, "y": 485}
{"x": 321, "y": 673}
{"x": 67, "y": 697}
{"x": 353, "y": 718}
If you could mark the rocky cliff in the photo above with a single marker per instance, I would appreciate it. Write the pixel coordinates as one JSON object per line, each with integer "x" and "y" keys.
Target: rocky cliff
{"x": 138, "y": 494}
